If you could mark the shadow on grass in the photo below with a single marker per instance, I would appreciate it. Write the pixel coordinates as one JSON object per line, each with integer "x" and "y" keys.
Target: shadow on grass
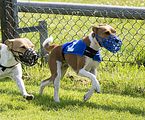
{"x": 5, "y": 79}
{"x": 47, "y": 103}
{"x": 9, "y": 91}
{"x": 137, "y": 94}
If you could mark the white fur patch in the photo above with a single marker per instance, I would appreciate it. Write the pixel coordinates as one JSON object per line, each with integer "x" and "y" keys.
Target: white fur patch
{"x": 48, "y": 40}
{"x": 95, "y": 82}
{"x": 57, "y": 82}
{"x": 91, "y": 37}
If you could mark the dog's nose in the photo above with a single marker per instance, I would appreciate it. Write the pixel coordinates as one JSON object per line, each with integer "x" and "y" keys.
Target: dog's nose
{"x": 117, "y": 40}
{"x": 36, "y": 56}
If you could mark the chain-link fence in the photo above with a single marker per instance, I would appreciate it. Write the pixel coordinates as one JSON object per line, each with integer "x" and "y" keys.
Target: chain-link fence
{"x": 66, "y": 22}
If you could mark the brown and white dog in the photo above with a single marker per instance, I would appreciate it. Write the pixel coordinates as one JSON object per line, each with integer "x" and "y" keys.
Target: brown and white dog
{"x": 12, "y": 53}
{"x": 85, "y": 63}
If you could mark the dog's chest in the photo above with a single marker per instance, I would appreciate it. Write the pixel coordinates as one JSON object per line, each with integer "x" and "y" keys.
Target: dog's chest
{"x": 90, "y": 63}
{"x": 6, "y": 57}
{"x": 5, "y": 73}
{"x": 6, "y": 60}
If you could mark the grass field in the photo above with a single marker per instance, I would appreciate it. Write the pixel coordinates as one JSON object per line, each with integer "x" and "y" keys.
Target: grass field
{"x": 122, "y": 91}
{"x": 122, "y": 97}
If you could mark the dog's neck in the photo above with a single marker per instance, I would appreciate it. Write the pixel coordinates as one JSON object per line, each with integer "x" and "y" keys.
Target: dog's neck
{"x": 7, "y": 59}
{"x": 91, "y": 42}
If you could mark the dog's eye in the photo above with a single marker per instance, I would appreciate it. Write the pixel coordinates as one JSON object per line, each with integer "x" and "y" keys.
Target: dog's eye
{"x": 107, "y": 33}
{"x": 23, "y": 47}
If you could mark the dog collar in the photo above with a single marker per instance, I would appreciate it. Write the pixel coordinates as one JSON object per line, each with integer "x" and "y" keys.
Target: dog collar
{"x": 95, "y": 55}
{"x": 97, "y": 38}
{"x": 4, "y": 67}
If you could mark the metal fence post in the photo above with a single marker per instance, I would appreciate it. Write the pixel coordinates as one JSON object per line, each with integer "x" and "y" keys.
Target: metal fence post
{"x": 43, "y": 36}
{"x": 9, "y": 21}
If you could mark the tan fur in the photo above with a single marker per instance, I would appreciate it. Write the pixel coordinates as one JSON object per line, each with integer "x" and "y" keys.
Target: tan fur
{"x": 19, "y": 45}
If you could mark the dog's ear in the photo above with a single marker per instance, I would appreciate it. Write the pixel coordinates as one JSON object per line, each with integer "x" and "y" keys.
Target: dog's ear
{"x": 9, "y": 43}
{"x": 95, "y": 29}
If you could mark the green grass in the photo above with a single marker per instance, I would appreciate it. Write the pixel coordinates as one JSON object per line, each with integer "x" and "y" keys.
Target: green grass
{"x": 122, "y": 96}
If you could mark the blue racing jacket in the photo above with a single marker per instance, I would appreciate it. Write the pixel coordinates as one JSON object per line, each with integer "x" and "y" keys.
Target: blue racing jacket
{"x": 78, "y": 47}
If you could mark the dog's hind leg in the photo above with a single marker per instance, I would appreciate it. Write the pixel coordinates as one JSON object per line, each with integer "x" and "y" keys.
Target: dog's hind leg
{"x": 47, "y": 82}
{"x": 95, "y": 83}
{"x": 57, "y": 81}
{"x": 44, "y": 83}
{"x": 53, "y": 69}
{"x": 64, "y": 69}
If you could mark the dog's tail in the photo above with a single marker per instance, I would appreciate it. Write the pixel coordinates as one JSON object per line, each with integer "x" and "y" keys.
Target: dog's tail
{"x": 46, "y": 44}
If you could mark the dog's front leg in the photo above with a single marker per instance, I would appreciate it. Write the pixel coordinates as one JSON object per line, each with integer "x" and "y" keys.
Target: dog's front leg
{"x": 17, "y": 76}
{"x": 95, "y": 83}
{"x": 93, "y": 71}
{"x": 22, "y": 88}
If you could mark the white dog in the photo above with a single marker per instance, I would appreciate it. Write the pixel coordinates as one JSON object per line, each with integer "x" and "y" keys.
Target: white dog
{"x": 82, "y": 55}
{"x": 12, "y": 53}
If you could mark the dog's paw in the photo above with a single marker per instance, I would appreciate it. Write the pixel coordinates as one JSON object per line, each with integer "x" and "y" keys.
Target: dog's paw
{"x": 29, "y": 97}
{"x": 41, "y": 90}
{"x": 88, "y": 95}
{"x": 97, "y": 91}
{"x": 86, "y": 98}
{"x": 56, "y": 99}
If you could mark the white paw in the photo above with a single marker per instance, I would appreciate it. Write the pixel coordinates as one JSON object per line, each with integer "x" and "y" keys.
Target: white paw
{"x": 29, "y": 97}
{"x": 97, "y": 90}
{"x": 41, "y": 90}
{"x": 88, "y": 95}
{"x": 56, "y": 100}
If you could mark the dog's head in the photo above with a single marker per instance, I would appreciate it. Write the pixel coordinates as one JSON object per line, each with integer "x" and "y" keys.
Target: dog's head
{"x": 106, "y": 37}
{"x": 23, "y": 50}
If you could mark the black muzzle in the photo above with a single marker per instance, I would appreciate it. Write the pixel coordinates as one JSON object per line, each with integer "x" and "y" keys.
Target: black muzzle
{"x": 29, "y": 57}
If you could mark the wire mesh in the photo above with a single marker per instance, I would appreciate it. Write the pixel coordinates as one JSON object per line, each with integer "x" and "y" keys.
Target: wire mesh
{"x": 68, "y": 24}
